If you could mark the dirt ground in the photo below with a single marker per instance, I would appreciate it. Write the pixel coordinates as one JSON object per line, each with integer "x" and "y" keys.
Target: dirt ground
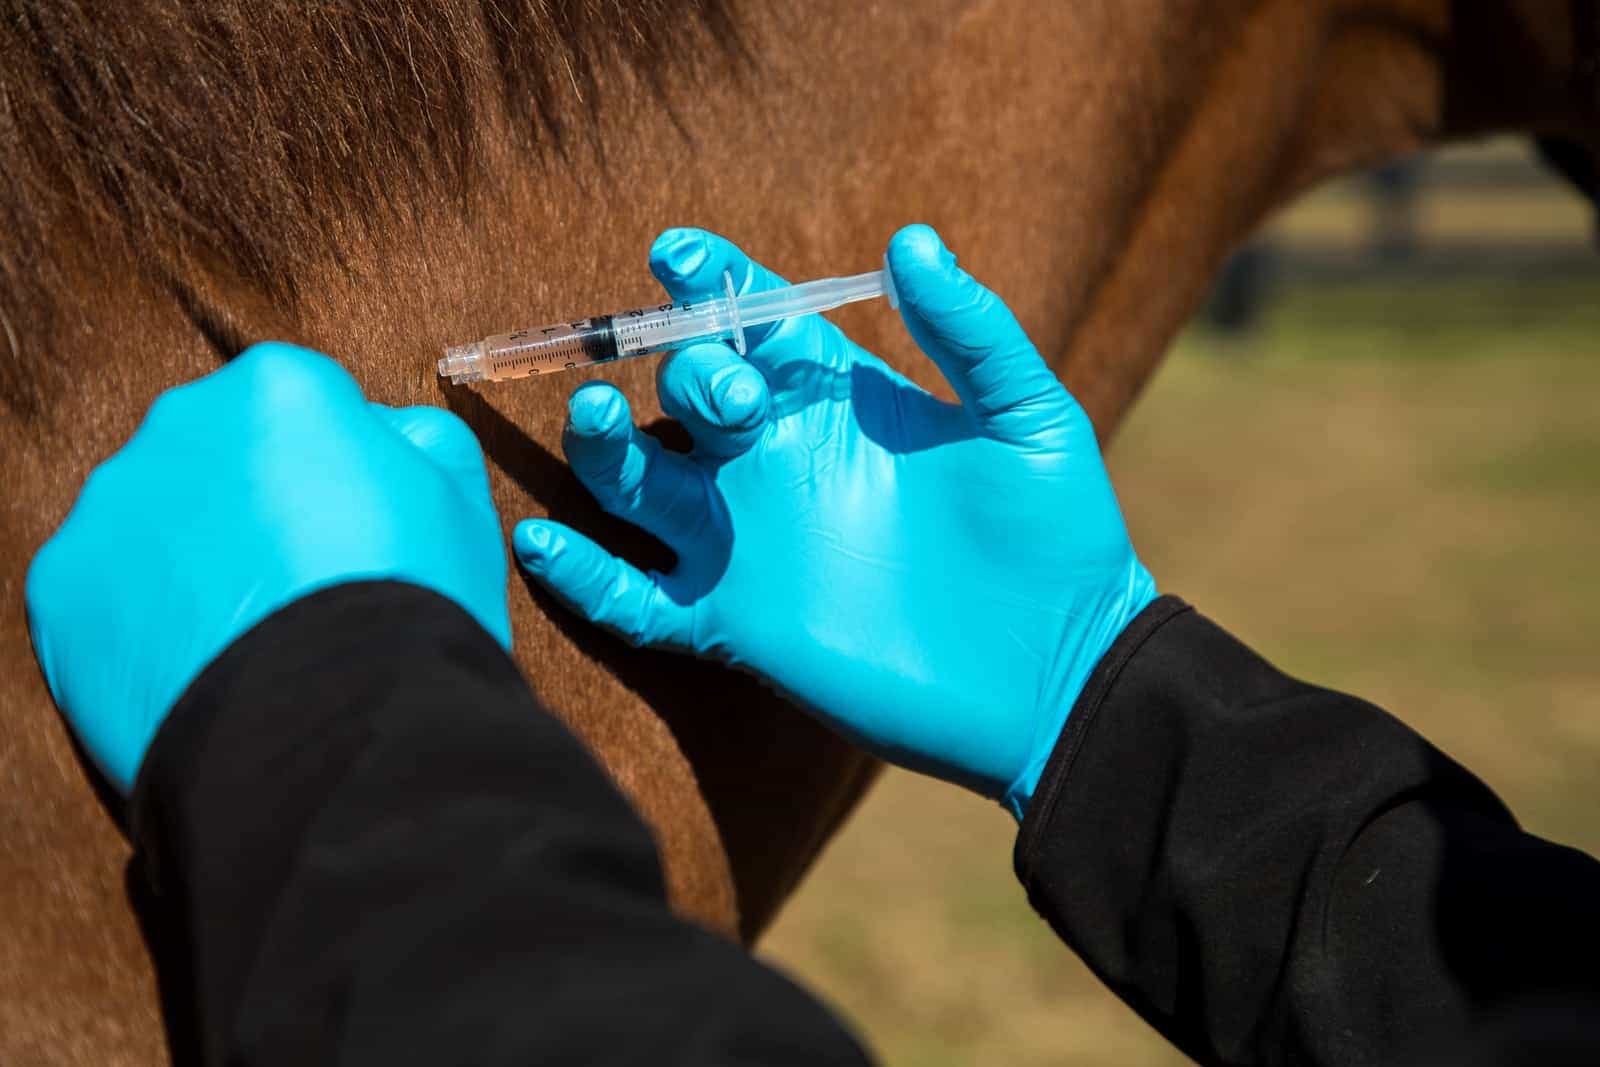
{"x": 1393, "y": 490}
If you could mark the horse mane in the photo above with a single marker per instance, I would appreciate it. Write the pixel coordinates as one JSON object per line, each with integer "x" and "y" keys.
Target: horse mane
{"x": 254, "y": 132}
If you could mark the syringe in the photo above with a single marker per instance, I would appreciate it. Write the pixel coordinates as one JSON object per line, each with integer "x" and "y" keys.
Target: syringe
{"x": 641, "y": 331}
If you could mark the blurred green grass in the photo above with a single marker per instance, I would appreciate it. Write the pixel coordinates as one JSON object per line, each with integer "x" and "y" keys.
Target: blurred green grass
{"x": 1390, "y": 489}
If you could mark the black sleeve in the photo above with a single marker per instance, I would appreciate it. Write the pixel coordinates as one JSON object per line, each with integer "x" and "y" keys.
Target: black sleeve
{"x": 364, "y": 843}
{"x": 1272, "y": 873}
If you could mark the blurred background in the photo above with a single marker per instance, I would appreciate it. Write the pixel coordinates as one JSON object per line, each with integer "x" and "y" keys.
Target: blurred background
{"x": 1375, "y": 457}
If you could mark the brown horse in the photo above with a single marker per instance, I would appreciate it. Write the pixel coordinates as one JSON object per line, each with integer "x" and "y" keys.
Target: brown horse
{"x": 377, "y": 180}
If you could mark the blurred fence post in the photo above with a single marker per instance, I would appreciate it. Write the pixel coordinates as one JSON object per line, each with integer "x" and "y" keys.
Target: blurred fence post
{"x": 1394, "y": 211}
{"x": 1241, "y": 290}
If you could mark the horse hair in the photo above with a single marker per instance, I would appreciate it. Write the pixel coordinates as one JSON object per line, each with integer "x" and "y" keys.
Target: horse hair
{"x": 253, "y": 132}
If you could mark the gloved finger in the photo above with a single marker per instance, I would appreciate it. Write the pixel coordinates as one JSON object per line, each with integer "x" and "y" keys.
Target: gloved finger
{"x": 720, "y": 399}
{"x": 976, "y": 341}
{"x": 599, "y": 586}
{"x": 629, "y": 473}
{"x": 689, "y": 263}
{"x": 273, "y": 375}
{"x": 273, "y": 365}
{"x": 445, "y": 439}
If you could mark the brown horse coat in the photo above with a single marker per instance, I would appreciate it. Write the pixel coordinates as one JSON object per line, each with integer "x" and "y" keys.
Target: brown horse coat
{"x": 377, "y": 180}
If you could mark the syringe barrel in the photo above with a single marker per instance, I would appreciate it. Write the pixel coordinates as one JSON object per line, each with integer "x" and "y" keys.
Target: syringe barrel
{"x": 585, "y": 342}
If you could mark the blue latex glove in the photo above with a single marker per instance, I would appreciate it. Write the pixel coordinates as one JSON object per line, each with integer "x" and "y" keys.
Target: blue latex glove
{"x": 241, "y": 492}
{"x": 936, "y": 581}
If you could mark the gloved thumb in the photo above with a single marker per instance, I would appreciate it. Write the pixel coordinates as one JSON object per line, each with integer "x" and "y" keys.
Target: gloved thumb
{"x": 446, "y": 440}
{"x": 976, "y": 341}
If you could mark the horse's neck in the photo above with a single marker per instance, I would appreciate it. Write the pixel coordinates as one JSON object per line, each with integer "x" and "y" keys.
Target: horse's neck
{"x": 1092, "y": 162}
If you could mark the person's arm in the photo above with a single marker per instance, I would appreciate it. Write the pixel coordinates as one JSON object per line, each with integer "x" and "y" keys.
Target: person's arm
{"x": 367, "y": 844}
{"x": 1273, "y": 873}
{"x": 278, "y": 617}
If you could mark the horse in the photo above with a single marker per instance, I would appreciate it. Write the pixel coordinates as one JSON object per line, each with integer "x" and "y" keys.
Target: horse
{"x": 378, "y": 180}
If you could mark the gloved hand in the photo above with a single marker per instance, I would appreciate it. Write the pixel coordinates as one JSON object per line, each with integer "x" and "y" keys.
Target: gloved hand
{"x": 241, "y": 492}
{"x": 936, "y": 581}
